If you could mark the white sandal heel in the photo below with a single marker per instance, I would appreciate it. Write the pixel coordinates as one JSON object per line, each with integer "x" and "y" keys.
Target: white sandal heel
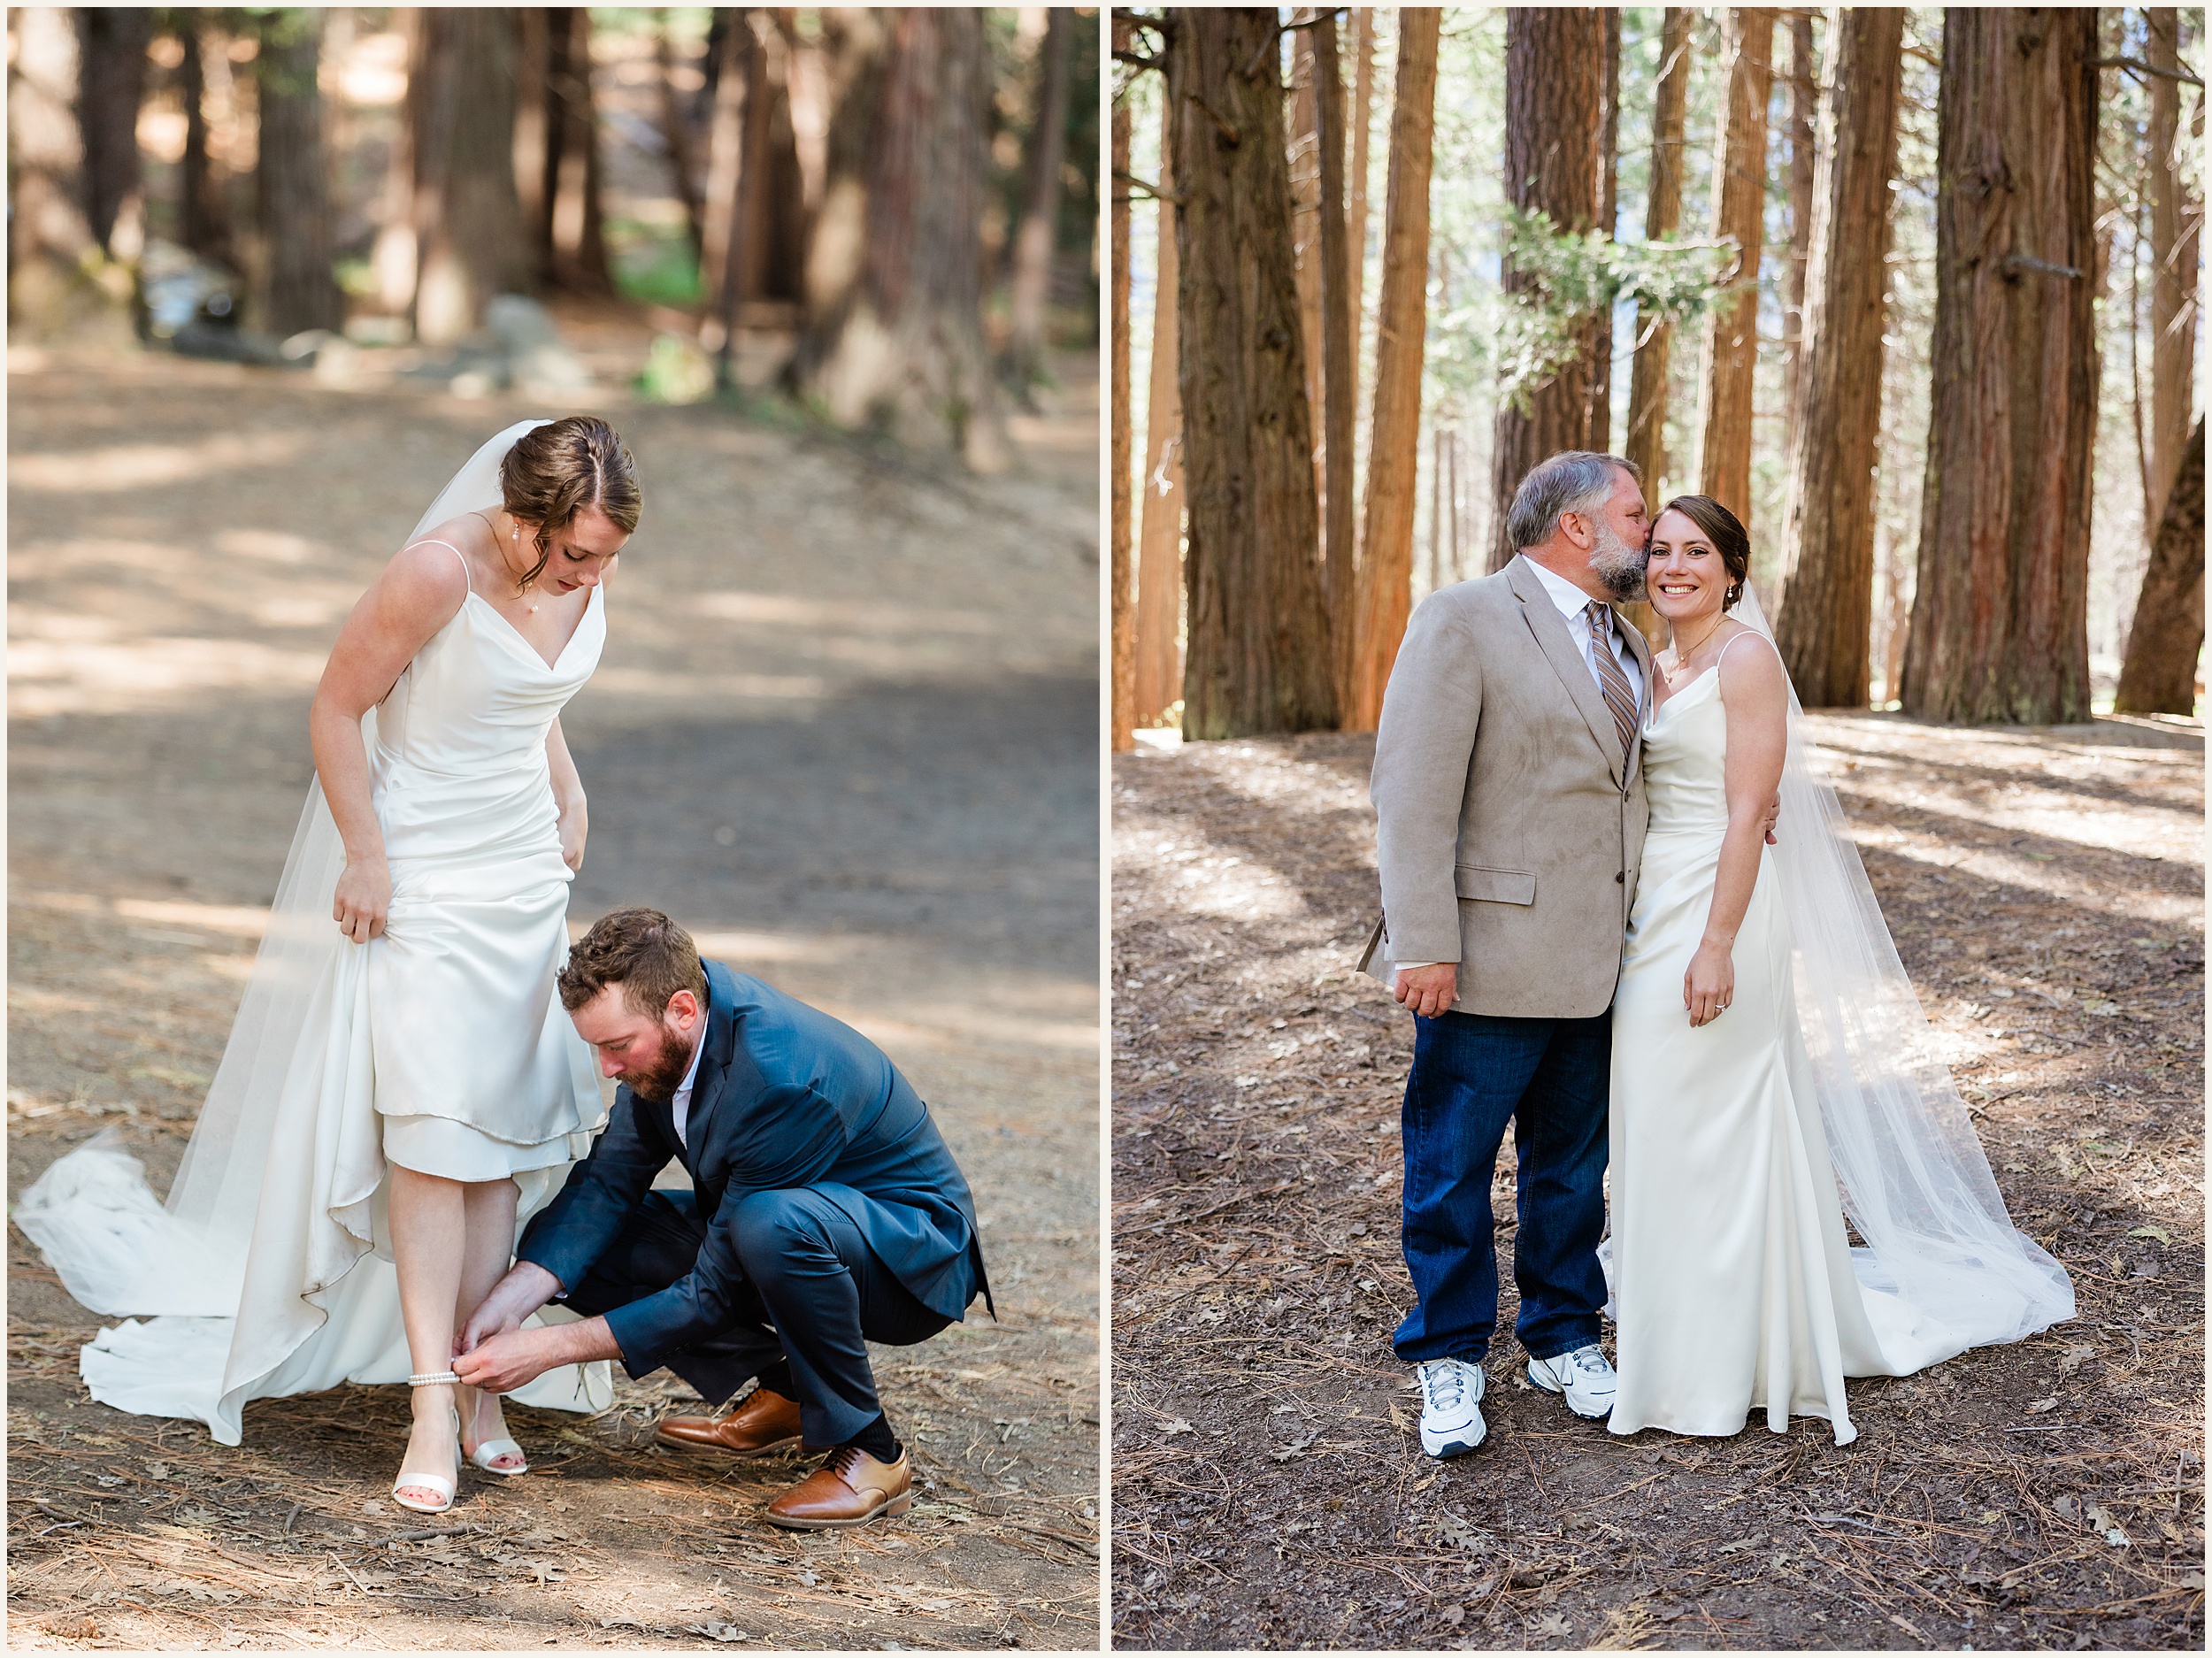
{"x": 485, "y": 1454}
{"x": 432, "y": 1482}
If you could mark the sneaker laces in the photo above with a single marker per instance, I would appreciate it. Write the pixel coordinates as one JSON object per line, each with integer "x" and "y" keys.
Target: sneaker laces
{"x": 1590, "y": 1359}
{"x": 1443, "y": 1385}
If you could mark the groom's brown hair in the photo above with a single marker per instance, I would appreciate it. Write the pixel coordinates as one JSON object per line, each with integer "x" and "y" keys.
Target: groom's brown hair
{"x": 643, "y": 951}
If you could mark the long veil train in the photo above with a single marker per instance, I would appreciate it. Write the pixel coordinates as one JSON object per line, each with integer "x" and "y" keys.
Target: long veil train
{"x": 268, "y": 1271}
{"x": 1944, "y": 1267}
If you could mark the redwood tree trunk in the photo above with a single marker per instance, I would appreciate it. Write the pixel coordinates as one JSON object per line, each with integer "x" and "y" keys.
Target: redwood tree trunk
{"x": 1303, "y": 158}
{"x": 291, "y": 183}
{"x": 2176, "y": 221}
{"x": 1160, "y": 534}
{"x": 1999, "y": 627}
{"x": 1598, "y": 422}
{"x": 1647, "y": 443}
{"x": 675, "y": 124}
{"x": 572, "y": 237}
{"x": 469, "y": 239}
{"x": 1824, "y": 621}
{"x": 1258, "y": 657}
{"x": 201, "y": 216}
{"x": 1555, "y": 125}
{"x": 2160, "y": 674}
{"x": 1385, "y": 570}
{"x": 1804, "y": 117}
{"x": 1731, "y": 337}
{"x": 1031, "y": 283}
{"x": 893, "y": 338}
{"x": 1358, "y": 123}
{"x": 1122, "y": 612}
{"x": 1338, "y": 350}
{"x": 111, "y": 43}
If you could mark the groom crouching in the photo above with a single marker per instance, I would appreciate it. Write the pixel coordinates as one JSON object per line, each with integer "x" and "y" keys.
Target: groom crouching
{"x": 824, "y": 1212}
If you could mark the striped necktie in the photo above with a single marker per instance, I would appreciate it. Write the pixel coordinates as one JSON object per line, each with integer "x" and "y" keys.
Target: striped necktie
{"x": 1620, "y": 696}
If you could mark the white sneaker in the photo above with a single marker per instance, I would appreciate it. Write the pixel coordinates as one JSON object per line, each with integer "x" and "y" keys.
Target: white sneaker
{"x": 1583, "y": 1376}
{"x": 1451, "y": 1394}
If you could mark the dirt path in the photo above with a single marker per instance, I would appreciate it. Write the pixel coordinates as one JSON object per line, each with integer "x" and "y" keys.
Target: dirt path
{"x": 844, "y": 730}
{"x": 2046, "y": 888}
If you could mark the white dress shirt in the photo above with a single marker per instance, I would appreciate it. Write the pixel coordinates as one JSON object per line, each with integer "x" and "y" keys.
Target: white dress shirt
{"x": 1574, "y": 607}
{"x": 682, "y": 1102}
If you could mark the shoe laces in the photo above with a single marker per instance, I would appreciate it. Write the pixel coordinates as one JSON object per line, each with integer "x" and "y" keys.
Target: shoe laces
{"x": 1443, "y": 1384}
{"x": 1590, "y": 1359}
{"x": 842, "y": 1462}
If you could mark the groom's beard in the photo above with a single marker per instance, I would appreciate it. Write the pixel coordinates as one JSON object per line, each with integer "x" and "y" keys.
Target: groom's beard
{"x": 656, "y": 1083}
{"x": 1617, "y": 564}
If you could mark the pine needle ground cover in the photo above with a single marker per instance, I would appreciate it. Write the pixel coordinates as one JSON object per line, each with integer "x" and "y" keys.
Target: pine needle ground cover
{"x": 2046, "y": 890}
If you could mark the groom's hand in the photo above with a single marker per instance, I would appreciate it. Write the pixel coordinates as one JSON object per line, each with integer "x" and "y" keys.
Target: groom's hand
{"x": 1428, "y": 991}
{"x": 515, "y": 1358}
{"x": 1774, "y": 812}
{"x": 527, "y": 1288}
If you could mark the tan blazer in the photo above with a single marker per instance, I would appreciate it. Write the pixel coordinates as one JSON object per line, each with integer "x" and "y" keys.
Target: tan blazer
{"x": 1509, "y": 824}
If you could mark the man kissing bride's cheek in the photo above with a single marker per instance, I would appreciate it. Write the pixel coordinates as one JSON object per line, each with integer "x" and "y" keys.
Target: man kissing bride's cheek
{"x": 1613, "y": 897}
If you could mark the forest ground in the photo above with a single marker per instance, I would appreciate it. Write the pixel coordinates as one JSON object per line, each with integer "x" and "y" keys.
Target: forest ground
{"x": 845, "y": 729}
{"x": 2045, "y": 887}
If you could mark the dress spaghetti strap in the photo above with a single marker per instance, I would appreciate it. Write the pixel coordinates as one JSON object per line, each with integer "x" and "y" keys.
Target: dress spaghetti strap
{"x": 1748, "y": 632}
{"x": 431, "y": 540}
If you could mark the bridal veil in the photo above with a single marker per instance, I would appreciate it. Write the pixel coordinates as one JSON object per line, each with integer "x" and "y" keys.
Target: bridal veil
{"x": 268, "y": 1271}
{"x": 1915, "y": 1183}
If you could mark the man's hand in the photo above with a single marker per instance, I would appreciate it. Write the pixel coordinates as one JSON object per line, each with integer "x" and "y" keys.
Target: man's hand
{"x": 515, "y": 1358}
{"x": 1774, "y": 811}
{"x": 501, "y": 1363}
{"x": 1428, "y": 991}
{"x": 527, "y": 1288}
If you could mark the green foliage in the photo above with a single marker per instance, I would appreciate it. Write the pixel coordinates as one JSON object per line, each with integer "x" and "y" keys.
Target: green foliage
{"x": 1530, "y": 335}
{"x": 675, "y": 372}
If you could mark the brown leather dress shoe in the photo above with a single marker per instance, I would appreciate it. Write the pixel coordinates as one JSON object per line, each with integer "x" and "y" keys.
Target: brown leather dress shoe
{"x": 851, "y": 1488}
{"x": 765, "y": 1421}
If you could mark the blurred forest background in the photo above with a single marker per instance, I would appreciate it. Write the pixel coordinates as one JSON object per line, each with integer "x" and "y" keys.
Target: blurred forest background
{"x": 886, "y": 215}
{"x": 1730, "y": 242}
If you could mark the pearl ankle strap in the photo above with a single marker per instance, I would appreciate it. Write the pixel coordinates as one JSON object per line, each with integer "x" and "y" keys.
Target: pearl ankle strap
{"x": 443, "y": 1378}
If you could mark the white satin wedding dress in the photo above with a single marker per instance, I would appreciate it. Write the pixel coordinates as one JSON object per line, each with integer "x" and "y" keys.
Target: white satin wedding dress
{"x": 1735, "y": 1287}
{"x": 439, "y": 1045}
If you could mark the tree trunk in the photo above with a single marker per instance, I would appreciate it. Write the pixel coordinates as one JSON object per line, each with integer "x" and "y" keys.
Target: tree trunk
{"x": 1999, "y": 627}
{"x": 111, "y": 43}
{"x": 1123, "y": 612}
{"x": 1647, "y": 443}
{"x": 1598, "y": 422}
{"x": 2176, "y": 221}
{"x": 203, "y": 225}
{"x": 468, "y": 224}
{"x": 1823, "y": 622}
{"x": 1555, "y": 125}
{"x": 1160, "y": 537}
{"x": 570, "y": 228}
{"x": 1338, "y": 349}
{"x": 291, "y": 187}
{"x": 1303, "y": 156}
{"x": 1031, "y": 283}
{"x": 893, "y": 337}
{"x": 1258, "y": 657}
{"x": 1804, "y": 115}
{"x": 675, "y": 123}
{"x": 1385, "y": 571}
{"x": 2160, "y": 674}
{"x": 47, "y": 231}
{"x": 1732, "y": 336}
{"x": 1358, "y": 122}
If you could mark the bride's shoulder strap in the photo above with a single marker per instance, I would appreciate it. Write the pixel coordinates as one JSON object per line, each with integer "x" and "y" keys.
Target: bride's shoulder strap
{"x": 1748, "y": 632}
{"x": 431, "y": 540}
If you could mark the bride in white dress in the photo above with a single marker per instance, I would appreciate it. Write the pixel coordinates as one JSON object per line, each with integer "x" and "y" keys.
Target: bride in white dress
{"x": 400, "y": 1081}
{"x": 1767, "y": 1046}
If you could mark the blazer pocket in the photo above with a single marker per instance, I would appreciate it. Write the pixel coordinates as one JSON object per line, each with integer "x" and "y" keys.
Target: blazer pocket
{"x": 1497, "y": 886}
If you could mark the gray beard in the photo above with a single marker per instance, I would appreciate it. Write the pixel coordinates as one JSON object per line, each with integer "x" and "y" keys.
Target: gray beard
{"x": 1619, "y": 566}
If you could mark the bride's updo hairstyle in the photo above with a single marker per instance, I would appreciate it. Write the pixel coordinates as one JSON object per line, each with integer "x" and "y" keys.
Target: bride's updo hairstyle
{"x": 1727, "y": 535}
{"x": 554, "y": 471}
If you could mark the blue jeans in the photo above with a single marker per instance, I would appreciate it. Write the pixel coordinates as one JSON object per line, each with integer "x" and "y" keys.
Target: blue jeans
{"x": 1470, "y": 1074}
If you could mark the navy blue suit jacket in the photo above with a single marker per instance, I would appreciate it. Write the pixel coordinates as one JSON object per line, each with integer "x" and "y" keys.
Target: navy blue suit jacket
{"x": 785, "y": 1096}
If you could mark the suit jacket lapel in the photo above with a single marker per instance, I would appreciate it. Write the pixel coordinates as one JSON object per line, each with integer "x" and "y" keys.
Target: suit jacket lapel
{"x": 1639, "y": 648}
{"x": 1567, "y": 661}
{"x": 714, "y": 1064}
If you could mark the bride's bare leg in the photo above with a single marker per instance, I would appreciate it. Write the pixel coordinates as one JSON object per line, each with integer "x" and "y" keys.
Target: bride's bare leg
{"x": 429, "y": 1230}
{"x": 490, "y": 1223}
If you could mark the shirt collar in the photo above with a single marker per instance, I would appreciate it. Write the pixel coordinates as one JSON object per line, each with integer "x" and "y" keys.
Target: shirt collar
{"x": 1571, "y": 600}
{"x": 698, "y": 1049}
